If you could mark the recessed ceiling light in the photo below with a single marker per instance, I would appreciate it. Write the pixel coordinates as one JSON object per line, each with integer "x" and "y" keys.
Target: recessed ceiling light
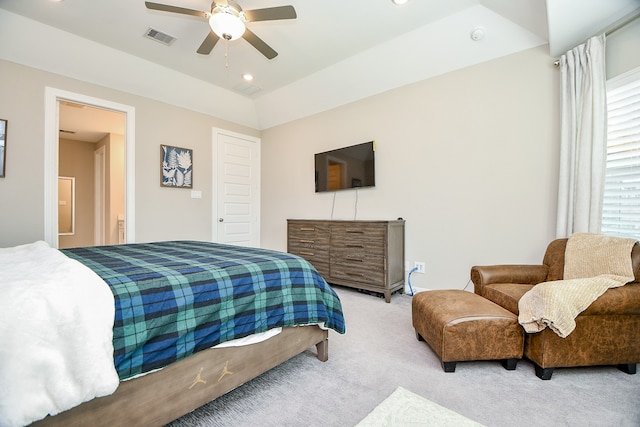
{"x": 399, "y": 1}
{"x": 248, "y": 77}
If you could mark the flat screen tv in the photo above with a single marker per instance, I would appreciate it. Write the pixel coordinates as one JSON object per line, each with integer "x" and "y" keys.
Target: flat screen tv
{"x": 347, "y": 167}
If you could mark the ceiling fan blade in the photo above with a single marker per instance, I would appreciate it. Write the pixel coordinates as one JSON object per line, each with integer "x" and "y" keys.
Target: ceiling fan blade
{"x": 208, "y": 44}
{"x": 257, "y": 42}
{"x": 271, "y": 14}
{"x": 176, "y": 9}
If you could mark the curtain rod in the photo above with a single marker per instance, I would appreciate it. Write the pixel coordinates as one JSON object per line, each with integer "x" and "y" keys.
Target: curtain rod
{"x": 622, "y": 22}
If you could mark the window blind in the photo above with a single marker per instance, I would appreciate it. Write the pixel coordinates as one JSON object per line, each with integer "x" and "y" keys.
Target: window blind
{"x": 621, "y": 204}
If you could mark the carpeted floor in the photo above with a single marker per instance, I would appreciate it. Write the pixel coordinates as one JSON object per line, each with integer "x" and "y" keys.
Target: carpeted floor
{"x": 380, "y": 353}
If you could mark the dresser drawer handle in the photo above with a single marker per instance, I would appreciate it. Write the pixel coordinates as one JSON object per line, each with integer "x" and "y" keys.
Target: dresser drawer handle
{"x": 307, "y": 229}
{"x": 355, "y": 246}
{"x": 355, "y": 231}
{"x": 307, "y": 241}
{"x": 306, "y": 253}
{"x": 355, "y": 274}
{"x": 355, "y": 259}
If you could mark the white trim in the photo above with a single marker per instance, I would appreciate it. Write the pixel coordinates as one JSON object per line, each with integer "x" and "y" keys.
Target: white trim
{"x": 214, "y": 179}
{"x": 51, "y": 123}
{"x": 99, "y": 195}
{"x": 623, "y": 79}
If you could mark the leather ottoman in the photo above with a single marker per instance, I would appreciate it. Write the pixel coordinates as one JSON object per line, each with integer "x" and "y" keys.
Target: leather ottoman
{"x": 463, "y": 326}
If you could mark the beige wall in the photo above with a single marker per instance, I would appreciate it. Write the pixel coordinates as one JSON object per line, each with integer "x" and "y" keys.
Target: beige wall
{"x": 469, "y": 159}
{"x": 623, "y": 49}
{"x": 76, "y": 160}
{"x": 161, "y": 213}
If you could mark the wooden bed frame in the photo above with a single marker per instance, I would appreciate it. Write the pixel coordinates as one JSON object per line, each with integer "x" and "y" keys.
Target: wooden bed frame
{"x": 160, "y": 397}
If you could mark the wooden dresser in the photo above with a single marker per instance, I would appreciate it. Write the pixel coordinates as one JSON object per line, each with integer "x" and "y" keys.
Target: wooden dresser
{"x": 361, "y": 254}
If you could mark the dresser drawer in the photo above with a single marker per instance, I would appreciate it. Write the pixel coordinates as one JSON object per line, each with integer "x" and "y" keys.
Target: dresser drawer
{"x": 310, "y": 252}
{"x": 367, "y": 232}
{"x": 365, "y": 273}
{"x": 318, "y": 233}
{"x": 369, "y": 238}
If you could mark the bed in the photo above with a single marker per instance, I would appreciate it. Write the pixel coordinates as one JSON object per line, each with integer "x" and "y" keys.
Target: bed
{"x": 179, "y": 310}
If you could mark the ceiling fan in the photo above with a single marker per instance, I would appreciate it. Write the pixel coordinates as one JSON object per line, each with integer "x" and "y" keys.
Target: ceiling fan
{"x": 227, "y": 21}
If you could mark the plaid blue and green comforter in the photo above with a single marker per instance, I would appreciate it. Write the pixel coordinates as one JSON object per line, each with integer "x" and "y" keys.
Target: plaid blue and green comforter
{"x": 176, "y": 298}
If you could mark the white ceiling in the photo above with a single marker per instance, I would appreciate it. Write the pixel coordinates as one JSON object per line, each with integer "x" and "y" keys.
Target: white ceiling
{"x": 325, "y": 32}
{"x": 81, "y": 122}
{"x": 335, "y": 52}
{"x": 571, "y": 22}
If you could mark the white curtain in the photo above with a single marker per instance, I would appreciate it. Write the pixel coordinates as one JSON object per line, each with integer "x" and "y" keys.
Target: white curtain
{"x": 583, "y": 143}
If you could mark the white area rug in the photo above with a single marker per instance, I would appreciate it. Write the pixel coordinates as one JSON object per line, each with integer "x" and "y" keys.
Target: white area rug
{"x": 404, "y": 408}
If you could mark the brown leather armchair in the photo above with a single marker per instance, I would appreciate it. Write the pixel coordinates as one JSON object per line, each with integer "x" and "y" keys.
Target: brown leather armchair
{"x": 606, "y": 333}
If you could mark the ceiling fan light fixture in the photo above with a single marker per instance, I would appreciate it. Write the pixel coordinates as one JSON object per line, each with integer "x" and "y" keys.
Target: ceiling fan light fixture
{"x": 227, "y": 23}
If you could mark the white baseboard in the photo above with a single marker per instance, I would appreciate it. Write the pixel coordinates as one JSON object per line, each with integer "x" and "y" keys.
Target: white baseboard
{"x": 407, "y": 290}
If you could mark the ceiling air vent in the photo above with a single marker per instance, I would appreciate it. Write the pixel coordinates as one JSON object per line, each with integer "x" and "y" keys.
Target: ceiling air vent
{"x": 159, "y": 36}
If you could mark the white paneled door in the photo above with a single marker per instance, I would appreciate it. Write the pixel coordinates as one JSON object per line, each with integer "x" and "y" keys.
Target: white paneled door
{"x": 236, "y": 199}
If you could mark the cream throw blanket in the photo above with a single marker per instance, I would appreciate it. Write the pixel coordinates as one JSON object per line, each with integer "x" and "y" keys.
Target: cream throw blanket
{"x": 56, "y": 334}
{"x": 593, "y": 264}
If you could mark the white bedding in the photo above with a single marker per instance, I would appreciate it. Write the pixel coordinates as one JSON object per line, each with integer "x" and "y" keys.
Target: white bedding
{"x": 56, "y": 328}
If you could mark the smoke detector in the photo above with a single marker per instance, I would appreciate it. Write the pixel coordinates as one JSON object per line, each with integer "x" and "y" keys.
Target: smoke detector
{"x": 477, "y": 34}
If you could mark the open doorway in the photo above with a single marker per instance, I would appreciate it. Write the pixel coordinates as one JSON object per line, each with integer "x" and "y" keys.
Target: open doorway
{"x": 91, "y": 152}
{"x": 117, "y": 213}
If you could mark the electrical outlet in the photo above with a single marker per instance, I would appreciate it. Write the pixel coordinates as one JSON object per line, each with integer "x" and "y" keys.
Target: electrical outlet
{"x": 419, "y": 266}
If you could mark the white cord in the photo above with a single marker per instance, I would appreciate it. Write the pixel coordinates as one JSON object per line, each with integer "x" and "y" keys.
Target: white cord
{"x": 333, "y": 206}
{"x": 355, "y": 207}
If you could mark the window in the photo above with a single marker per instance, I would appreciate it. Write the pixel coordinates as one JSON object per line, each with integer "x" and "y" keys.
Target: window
{"x": 621, "y": 204}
